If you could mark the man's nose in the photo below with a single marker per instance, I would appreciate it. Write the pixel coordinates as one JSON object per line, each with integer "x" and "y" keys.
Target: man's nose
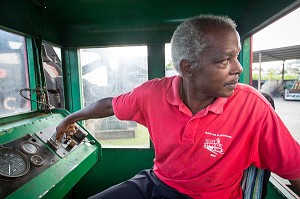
{"x": 236, "y": 68}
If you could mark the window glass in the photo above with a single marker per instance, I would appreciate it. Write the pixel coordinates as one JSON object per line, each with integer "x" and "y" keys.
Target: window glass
{"x": 13, "y": 74}
{"x": 108, "y": 72}
{"x": 169, "y": 67}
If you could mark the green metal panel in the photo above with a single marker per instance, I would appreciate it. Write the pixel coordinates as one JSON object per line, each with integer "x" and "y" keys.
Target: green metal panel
{"x": 156, "y": 60}
{"x": 91, "y": 23}
{"x": 71, "y": 79}
{"x": 29, "y": 18}
{"x": 278, "y": 189}
{"x": 273, "y": 192}
{"x": 107, "y": 22}
{"x": 57, "y": 180}
{"x": 117, "y": 165}
{"x": 259, "y": 14}
{"x": 14, "y": 127}
{"x": 89, "y": 36}
{"x": 31, "y": 71}
{"x": 244, "y": 58}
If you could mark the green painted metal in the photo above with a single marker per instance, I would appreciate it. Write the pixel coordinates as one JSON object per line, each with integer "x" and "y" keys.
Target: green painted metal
{"x": 143, "y": 21}
{"x": 31, "y": 71}
{"x": 14, "y": 127}
{"x": 156, "y": 60}
{"x": 117, "y": 165}
{"x": 273, "y": 192}
{"x": 29, "y": 18}
{"x": 259, "y": 14}
{"x": 95, "y": 23}
{"x": 58, "y": 180}
{"x": 244, "y": 58}
{"x": 17, "y": 126}
{"x": 72, "y": 81}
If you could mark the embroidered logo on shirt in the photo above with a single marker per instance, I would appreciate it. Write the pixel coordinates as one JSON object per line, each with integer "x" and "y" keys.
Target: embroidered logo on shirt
{"x": 214, "y": 145}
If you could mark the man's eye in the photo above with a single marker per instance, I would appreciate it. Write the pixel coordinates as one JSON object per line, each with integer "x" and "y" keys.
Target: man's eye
{"x": 226, "y": 61}
{"x": 223, "y": 63}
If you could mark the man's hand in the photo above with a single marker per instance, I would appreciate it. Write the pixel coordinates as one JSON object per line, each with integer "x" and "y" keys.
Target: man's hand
{"x": 64, "y": 127}
{"x": 99, "y": 109}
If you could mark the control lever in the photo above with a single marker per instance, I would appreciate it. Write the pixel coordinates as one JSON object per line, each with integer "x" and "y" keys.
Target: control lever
{"x": 69, "y": 140}
{"x": 54, "y": 144}
{"x": 79, "y": 135}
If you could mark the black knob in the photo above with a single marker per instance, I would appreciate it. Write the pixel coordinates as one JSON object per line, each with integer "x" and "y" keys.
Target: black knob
{"x": 92, "y": 142}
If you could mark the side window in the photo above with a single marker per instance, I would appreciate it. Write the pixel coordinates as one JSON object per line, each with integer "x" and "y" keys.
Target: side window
{"x": 108, "y": 72}
{"x": 169, "y": 67}
{"x": 13, "y": 74}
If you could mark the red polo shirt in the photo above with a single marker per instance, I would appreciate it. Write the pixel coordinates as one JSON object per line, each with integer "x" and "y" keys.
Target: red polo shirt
{"x": 204, "y": 155}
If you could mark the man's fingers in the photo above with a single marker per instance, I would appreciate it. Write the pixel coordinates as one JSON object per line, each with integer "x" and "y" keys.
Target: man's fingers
{"x": 69, "y": 130}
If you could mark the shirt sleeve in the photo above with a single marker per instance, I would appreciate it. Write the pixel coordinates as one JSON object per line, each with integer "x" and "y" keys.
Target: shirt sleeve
{"x": 277, "y": 150}
{"x": 127, "y": 106}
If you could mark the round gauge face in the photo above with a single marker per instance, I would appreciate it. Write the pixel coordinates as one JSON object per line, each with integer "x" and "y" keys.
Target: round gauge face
{"x": 36, "y": 160}
{"x": 29, "y": 148}
{"x": 13, "y": 163}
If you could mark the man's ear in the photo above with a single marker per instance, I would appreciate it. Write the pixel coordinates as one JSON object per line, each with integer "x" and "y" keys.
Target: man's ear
{"x": 186, "y": 68}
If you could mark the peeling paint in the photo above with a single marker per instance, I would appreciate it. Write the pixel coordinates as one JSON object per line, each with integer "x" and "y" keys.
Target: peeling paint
{"x": 73, "y": 163}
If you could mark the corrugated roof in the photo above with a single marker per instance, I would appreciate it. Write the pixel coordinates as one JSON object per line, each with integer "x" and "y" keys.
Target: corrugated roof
{"x": 277, "y": 54}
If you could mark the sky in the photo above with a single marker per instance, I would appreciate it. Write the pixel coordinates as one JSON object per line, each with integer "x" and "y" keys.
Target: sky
{"x": 283, "y": 32}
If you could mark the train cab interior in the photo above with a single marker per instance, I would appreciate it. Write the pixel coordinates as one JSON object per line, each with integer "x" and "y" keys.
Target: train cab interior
{"x": 58, "y": 56}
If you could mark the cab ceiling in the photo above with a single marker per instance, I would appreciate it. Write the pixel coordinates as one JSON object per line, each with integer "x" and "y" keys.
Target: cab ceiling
{"x": 88, "y": 22}
{"x": 154, "y": 13}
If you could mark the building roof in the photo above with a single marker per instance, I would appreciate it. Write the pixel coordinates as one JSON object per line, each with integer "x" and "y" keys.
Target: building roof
{"x": 277, "y": 54}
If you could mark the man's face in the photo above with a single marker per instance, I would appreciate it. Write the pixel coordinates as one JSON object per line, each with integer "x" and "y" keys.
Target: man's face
{"x": 220, "y": 69}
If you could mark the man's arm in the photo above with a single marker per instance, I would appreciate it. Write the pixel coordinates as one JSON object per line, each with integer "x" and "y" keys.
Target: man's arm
{"x": 296, "y": 185}
{"x": 99, "y": 109}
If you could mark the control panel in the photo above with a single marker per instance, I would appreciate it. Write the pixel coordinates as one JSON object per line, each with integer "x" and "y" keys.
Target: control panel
{"x": 37, "y": 159}
{"x": 69, "y": 142}
{"x": 21, "y": 160}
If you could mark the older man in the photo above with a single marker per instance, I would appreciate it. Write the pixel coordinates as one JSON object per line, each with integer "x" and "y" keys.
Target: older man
{"x": 206, "y": 127}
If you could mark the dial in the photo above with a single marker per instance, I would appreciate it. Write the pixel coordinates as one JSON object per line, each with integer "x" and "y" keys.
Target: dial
{"x": 13, "y": 163}
{"x": 29, "y": 148}
{"x": 37, "y": 160}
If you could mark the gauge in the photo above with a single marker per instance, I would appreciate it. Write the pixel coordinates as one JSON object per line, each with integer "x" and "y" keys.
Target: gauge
{"x": 36, "y": 160}
{"x": 13, "y": 163}
{"x": 29, "y": 148}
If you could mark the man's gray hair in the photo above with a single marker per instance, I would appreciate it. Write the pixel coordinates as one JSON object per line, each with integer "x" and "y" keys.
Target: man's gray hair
{"x": 189, "y": 39}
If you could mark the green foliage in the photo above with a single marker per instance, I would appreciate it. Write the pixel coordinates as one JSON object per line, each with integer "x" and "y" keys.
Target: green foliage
{"x": 170, "y": 66}
{"x": 275, "y": 77}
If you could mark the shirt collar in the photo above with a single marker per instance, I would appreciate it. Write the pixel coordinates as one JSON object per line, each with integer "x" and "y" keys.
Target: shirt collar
{"x": 217, "y": 105}
{"x": 173, "y": 97}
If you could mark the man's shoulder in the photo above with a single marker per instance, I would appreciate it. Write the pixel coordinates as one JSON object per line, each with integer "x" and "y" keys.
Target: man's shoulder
{"x": 250, "y": 93}
{"x": 246, "y": 90}
{"x": 162, "y": 80}
{"x": 157, "y": 83}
